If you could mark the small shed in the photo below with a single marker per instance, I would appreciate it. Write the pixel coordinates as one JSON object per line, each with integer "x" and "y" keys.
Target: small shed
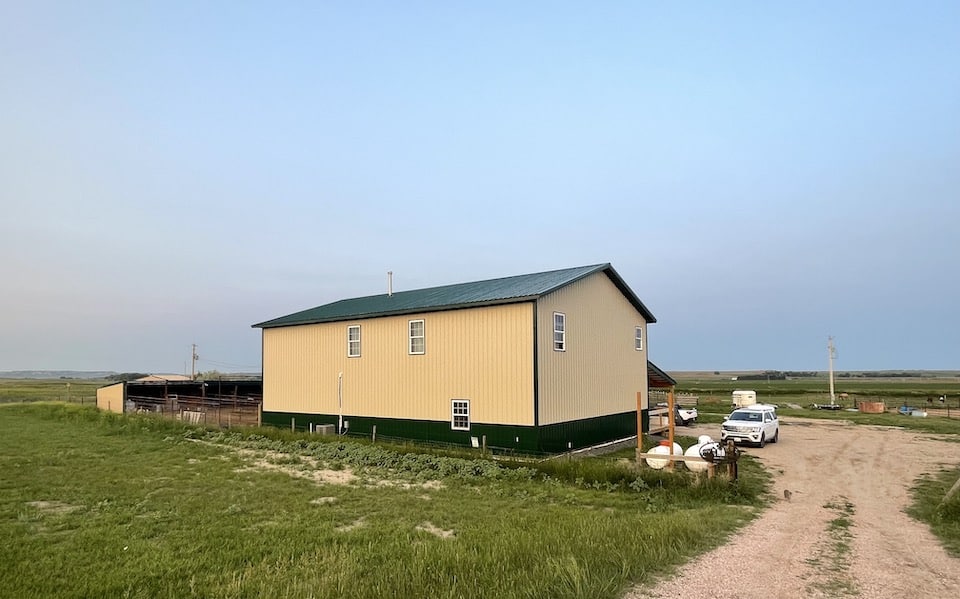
{"x": 222, "y": 402}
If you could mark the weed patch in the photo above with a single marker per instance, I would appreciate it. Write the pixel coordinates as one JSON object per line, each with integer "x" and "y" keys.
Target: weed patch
{"x": 831, "y": 563}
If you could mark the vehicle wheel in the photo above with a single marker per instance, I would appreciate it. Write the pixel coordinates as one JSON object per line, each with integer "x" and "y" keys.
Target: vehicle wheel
{"x": 691, "y": 422}
{"x": 763, "y": 440}
{"x": 776, "y": 436}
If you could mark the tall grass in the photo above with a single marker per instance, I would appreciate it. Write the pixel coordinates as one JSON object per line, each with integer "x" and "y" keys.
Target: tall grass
{"x": 928, "y": 506}
{"x": 102, "y": 505}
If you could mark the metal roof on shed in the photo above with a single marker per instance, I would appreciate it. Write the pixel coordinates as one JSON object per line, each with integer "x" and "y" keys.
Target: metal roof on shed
{"x": 450, "y": 297}
{"x": 657, "y": 378}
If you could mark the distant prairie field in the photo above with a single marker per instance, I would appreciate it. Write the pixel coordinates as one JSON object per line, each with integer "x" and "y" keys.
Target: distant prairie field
{"x": 818, "y": 387}
{"x": 72, "y": 390}
{"x": 103, "y": 505}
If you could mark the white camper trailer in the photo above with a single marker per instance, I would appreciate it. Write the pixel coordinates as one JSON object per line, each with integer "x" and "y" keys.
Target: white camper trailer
{"x": 741, "y": 398}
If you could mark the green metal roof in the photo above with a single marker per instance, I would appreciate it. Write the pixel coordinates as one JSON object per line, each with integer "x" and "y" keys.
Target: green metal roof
{"x": 657, "y": 377}
{"x": 450, "y": 297}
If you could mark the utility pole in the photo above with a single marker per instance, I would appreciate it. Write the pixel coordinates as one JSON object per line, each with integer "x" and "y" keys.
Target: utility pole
{"x": 193, "y": 364}
{"x": 832, "y": 351}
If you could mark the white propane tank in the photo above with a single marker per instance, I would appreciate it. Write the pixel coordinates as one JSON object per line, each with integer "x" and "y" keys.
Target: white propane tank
{"x": 694, "y": 451}
{"x": 664, "y": 449}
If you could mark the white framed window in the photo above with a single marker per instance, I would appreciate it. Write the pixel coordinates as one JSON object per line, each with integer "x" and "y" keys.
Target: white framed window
{"x": 460, "y": 414}
{"x": 417, "y": 337}
{"x": 638, "y": 338}
{"x": 559, "y": 331}
{"x": 353, "y": 341}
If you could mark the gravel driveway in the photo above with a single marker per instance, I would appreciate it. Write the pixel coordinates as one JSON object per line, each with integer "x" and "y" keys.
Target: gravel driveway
{"x": 842, "y": 532}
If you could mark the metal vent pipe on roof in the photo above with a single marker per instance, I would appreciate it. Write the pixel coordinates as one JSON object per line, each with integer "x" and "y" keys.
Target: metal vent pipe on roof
{"x": 389, "y": 283}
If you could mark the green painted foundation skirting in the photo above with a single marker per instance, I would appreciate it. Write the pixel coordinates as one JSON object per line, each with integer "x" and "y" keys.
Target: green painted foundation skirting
{"x": 551, "y": 438}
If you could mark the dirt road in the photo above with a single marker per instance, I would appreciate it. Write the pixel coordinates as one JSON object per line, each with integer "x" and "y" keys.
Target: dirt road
{"x": 842, "y": 532}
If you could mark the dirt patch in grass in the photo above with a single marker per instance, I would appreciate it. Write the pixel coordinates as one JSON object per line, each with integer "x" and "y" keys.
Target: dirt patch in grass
{"x": 54, "y": 507}
{"x": 430, "y": 485}
{"x": 295, "y": 466}
{"x": 437, "y": 531}
{"x": 352, "y": 526}
{"x": 319, "y": 476}
{"x": 310, "y": 468}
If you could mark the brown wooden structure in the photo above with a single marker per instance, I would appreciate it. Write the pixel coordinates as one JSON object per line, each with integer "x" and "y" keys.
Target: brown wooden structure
{"x": 218, "y": 402}
{"x": 659, "y": 422}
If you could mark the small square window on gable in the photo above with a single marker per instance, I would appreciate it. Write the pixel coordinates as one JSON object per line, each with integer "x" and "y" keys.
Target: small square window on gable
{"x": 353, "y": 341}
{"x": 559, "y": 331}
{"x": 417, "y": 337}
{"x": 638, "y": 338}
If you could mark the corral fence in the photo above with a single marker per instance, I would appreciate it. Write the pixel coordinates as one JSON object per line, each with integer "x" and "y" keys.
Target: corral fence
{"x": 76, "y": 399}
{"x": 940, "y": 406}
{"x": 81, "y": 399}
{"x": 210, "y": 410}
{"x": 945, "y": 406}
{"x": 659, "y": 413}
{"x": 658, "y": 396}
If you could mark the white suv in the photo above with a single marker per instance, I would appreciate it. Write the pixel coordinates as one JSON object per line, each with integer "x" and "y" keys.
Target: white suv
{"x": 756, "y": 424}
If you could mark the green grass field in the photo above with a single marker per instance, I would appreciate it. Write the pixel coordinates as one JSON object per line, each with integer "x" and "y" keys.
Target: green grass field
{"x": 101, "y": 505}
{"x": 713, "y": 399}
{"x": 895, "y": 389}
{"x": 78, "y": 391}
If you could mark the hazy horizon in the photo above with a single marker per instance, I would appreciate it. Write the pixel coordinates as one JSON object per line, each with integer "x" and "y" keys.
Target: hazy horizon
{"x": 54, "y": 374}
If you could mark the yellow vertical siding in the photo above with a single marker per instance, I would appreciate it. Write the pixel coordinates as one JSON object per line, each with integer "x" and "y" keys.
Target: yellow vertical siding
{"x": 601, "y": 371}
{"x": 110, "y": 398}
{"x": 481, "y": 354}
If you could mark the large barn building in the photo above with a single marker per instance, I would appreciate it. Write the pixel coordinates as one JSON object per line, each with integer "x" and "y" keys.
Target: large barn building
{"x": 541, "y": 362}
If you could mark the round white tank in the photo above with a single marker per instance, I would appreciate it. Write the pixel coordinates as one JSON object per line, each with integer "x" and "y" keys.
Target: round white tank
{"x": 663, "y": 449}
{"x": 694, "y": 451}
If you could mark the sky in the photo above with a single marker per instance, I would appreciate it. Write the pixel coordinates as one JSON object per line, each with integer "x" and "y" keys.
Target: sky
{"x": 763, "y": 175}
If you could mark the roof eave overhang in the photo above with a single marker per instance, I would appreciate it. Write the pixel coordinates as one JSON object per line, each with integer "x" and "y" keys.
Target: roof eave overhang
{"x": 421, "y": 310}
{"x": 620, "y": 284}
{"x": 657, "y": 378}
{"x": 630, "y": 295}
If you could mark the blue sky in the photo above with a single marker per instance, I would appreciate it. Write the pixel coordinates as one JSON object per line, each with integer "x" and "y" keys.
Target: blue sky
{"x": 762, "y": 176}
